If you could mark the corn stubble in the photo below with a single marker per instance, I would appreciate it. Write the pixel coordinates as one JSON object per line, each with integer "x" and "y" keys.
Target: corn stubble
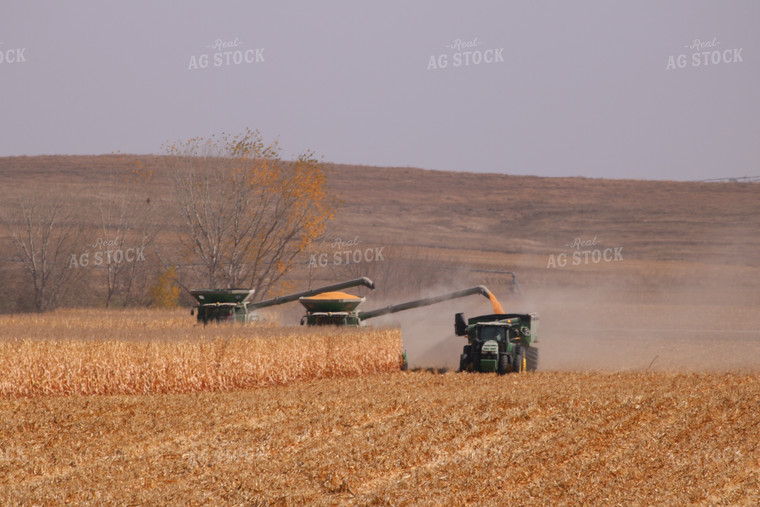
{"x": 404, "y": 438}
{"x": 400, "y": 438}
{"x": 95, "y": 353}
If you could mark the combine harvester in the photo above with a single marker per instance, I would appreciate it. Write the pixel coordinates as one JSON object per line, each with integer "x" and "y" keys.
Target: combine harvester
{"x": 233, "y": 305}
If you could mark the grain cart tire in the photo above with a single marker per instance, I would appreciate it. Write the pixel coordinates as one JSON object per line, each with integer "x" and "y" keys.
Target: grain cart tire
{"x": 518, "y": 363}
{"x": 531, "y": 358}
{"x": 503, "y": 364}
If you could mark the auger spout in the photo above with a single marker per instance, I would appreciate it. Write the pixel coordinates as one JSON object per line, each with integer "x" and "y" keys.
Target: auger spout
{"x": 478, "y": 289}
{"x": 366, "y": 282}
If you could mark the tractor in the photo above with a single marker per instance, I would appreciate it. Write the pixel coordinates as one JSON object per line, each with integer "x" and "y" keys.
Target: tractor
{"x": 503, "y": 342}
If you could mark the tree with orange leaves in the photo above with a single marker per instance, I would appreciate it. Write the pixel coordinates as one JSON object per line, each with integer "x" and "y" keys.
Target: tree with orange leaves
{"x": 247, "y": 213}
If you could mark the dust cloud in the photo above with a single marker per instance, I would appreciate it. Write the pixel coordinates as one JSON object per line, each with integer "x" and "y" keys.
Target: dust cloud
{"x": 709, "y": 323}
{"x": 681, "y": 318}
{"x": 690, "y": 327}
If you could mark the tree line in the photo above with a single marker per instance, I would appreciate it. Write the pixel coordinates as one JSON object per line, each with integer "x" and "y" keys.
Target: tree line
{"x": 244, "y": 217}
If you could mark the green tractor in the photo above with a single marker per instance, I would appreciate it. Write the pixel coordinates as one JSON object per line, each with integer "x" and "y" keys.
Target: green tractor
{"x": 499, "y": 342}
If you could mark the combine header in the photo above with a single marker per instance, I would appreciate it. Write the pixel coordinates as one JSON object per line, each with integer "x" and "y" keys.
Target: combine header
{"x": 233, "y": 305}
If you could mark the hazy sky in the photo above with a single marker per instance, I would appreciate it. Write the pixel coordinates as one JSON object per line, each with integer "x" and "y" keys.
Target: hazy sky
{"x": 618, "y": 89}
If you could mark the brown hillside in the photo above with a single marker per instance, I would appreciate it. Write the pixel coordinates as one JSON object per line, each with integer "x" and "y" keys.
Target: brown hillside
{"x": 655, "y": 220}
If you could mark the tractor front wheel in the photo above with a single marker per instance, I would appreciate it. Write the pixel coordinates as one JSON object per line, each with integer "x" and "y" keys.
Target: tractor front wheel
{"x": 503, "y": 364}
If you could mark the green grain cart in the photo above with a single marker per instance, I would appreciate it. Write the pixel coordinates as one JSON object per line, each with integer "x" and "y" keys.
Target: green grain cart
{"x": 499, "y": 342}
{"x": 234, "y": 305}
{"x": 342, "y": 312}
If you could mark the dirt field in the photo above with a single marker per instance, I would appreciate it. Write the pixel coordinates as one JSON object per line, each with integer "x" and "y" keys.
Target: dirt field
{"x": 646, "y": 394}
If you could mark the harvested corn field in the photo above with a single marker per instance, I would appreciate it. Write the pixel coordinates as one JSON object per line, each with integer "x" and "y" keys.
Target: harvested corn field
{"x": 90, "y": 352}
{"x": 405, "y": 438}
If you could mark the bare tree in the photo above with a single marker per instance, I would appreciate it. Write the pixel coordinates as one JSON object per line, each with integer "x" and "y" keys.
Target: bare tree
{"x": 125, "y": 228}
{"x": 247, "y": 213}
{"x": 45, "y": 235}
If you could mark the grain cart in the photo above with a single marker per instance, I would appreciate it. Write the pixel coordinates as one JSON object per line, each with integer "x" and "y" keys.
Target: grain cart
{"x": 233, "y": 305}
{"x": 340, "y": 309}
{"x": 501, "y": 342}
{"x": 222, "y": 305}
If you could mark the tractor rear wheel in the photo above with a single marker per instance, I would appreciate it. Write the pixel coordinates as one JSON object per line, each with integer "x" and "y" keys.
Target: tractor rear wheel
{"x": 531, "y": 358}
{"x": 518, "y": 363}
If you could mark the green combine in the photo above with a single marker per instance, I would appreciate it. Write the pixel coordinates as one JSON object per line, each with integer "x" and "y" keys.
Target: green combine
{"x": 499, "y": 342}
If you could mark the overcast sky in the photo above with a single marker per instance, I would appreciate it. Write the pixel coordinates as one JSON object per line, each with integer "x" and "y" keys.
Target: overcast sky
{"x": 617, "y": 89}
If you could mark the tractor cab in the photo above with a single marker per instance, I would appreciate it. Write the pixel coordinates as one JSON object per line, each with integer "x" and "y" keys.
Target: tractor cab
{"x": 492, "y": 331}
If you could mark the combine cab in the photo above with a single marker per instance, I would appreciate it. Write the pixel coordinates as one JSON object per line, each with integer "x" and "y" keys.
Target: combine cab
{"x": 499, "y": 343}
